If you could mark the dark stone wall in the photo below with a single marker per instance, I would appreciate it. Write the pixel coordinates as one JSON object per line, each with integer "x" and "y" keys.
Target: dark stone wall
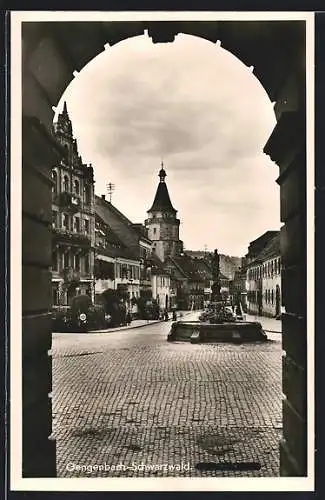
{"x": 51, "y": 52}
{"x": 39, "y": 154}
{"x": 287, "y": 147}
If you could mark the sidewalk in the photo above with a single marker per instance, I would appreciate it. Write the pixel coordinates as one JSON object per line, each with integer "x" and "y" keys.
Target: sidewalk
{"x": 138, "y": 323}
{"x": 269, "y": 324}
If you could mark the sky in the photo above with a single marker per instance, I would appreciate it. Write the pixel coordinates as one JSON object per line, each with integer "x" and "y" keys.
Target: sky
{"x": 198, "y": 108}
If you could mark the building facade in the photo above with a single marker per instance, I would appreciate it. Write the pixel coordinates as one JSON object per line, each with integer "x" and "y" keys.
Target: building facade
{"x": 73, "y": 219}
{"x": 237, "y": 288}
{"x": 191, "y": 279}
{"x": 271, "y": 286}
{"x": 115, "y": 266}
{"x": 161, "y": 289}
{"x": 263, "y": 281}
{"x": 162, "y": 223}
{"x": 132, "y": 257}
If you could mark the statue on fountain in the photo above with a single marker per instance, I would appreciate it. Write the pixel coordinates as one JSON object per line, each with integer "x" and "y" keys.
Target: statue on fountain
{"x": 216, "y": 311}
{"x": 216, "y": 287}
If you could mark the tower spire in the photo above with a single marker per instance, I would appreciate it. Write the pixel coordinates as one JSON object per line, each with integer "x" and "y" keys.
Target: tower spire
{"x": 162, "y": 173}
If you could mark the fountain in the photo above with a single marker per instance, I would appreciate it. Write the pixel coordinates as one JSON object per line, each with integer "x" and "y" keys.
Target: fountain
{"x": 217, "y": 323}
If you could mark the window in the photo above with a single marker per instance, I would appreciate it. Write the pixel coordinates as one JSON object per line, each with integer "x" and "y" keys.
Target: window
{"x": 87, "y": 264}
{"x": 87, "y": 194}
{"x": 272, "y": 297}
{"x": 76, "y": 186}
{"x": 86, "y": 226}
{"x": 55, "y": 182}
{"x": 65, "y": 183}
{"x": 77, "y": 224}
{"x": 55, "y": 261}
{"x": 66, "y": 260}
{"x": 77, "y": 262}
{"x": 54, "y": 218}
{"x": 65, "y": 221}
{"x": 154, "y": 230}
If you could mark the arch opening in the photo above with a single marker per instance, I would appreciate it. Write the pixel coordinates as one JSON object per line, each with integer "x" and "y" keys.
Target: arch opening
{"x": 282, "y": 76}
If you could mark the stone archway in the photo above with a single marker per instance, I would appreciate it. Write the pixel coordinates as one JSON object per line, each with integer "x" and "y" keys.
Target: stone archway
{"x": 51, "y": 55}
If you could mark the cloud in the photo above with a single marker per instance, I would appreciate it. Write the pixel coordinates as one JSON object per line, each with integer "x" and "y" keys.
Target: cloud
{"x": 201, "y": 110}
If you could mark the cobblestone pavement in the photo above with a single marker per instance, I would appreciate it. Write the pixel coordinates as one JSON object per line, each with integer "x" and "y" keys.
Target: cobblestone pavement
{"x": 132, "y": 399}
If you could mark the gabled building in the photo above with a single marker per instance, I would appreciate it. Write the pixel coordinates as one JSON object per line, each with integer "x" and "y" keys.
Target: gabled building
{"x": 133, "y": 238}
{"x": 162, "y": 223}
{"x": 228, "y": 264}
{"x": 161, "y": 284}
{"x": 73, "y": 219}
{"x": 189, "y": 282}
{"x": 127, "y": 232}
{"x": 237, "y": 288}
{"x": 116, "y": 268}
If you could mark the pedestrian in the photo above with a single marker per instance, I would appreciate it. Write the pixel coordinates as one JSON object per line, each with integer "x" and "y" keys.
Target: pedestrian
{"x": 128, "y": 318}
{"x": 166, "y": 317}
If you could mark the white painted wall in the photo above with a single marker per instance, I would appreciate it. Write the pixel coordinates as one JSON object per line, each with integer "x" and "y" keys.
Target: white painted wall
{"x": 160, "y": 288}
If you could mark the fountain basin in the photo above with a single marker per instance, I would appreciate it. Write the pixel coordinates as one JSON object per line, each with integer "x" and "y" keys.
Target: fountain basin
{"x": 200, "y": 331}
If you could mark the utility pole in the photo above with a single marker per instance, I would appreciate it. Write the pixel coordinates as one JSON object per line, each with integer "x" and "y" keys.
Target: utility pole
{"x": 110, "y": 189}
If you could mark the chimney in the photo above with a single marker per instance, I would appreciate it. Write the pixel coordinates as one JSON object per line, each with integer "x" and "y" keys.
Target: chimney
{"x": 103, "y": 197}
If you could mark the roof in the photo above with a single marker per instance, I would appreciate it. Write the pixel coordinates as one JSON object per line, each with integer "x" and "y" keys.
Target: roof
{"x": 162, "y": 202}
{"x": 272, "y": 249}
{"x": 116, "y": 247}
{"x": 119, "y": 223}
{"x": 257, "y": 245}
{"x": 123, "y": 253}
{"x": 142, "y": 231}
{"x": 109, "y": 234}
{"x": 195, "y": 269}
{"x": 157, "y": 266}
{"x": 187, "y": 266}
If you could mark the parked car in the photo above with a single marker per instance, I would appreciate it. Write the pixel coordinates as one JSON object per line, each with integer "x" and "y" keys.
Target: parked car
{"x": 81, "y": 316}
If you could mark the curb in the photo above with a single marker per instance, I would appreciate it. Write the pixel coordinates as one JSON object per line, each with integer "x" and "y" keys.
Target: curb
{"x": 123, "y": 329}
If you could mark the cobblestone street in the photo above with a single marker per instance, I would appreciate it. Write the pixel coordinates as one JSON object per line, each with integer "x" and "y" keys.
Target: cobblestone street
{"x": 131, "y": 398}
